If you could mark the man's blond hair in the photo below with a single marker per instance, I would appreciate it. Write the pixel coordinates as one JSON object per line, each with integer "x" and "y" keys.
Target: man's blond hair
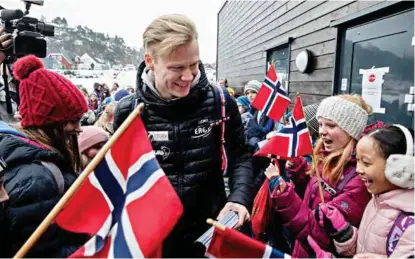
{"x": 166, "y": 33}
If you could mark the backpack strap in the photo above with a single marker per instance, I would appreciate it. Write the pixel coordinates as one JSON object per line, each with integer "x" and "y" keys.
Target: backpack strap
{"x": 339, "y": 189}
{"x": 346, "y": 179}
{"x": 402, "y": 222}
{"x": 222, "y": 99}
{"x": 57, "y": 174}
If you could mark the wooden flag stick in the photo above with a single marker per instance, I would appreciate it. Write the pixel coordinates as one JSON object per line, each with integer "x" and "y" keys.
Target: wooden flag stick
{"x": 216, "y": 224}
{"x": 320, "y": 188}
{"x": 74, "y": 187}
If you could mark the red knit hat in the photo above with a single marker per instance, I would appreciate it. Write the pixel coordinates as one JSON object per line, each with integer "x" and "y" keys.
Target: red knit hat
{"x": 45, "y": 96}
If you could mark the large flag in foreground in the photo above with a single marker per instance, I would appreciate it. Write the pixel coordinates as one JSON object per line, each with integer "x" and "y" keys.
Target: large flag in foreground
{"x": 230, "y": 243}
{"x": 293, "y": 140}
{"x": 272, "y": 99}
{"x": 127, "y": 204}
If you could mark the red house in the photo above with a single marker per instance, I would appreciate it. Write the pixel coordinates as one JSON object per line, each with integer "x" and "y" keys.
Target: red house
{"x": 66, "y": 62}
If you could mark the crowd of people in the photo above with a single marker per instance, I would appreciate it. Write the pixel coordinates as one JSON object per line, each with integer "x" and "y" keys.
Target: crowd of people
{"x": 366, "y": 171}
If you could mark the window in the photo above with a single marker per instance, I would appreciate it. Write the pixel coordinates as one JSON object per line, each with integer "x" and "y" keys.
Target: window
{"x": 281, "y": 58}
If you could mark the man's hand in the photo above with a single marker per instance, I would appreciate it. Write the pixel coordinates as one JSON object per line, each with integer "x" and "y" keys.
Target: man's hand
{"x": 242, "y": 212}
{"x": 5, "y": 42}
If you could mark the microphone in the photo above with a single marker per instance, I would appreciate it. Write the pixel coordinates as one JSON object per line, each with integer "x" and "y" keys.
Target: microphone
{"x": 7, "y": 15}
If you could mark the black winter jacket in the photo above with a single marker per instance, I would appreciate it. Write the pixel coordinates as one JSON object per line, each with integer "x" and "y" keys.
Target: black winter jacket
{"x": 33, "y": 192}
{"x": 188, "y": 150}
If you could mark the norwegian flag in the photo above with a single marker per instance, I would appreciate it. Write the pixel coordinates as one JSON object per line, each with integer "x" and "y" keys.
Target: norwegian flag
{"x": 127, "y": 204}
{"x": 272, "y": 99}
{"x": 230, "y": 243}
{"x": 293, "y": 140}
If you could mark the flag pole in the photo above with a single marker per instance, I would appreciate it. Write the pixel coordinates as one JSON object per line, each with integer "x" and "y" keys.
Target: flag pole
{"x": 320, "y": 187}
{"x": 74, "y": 187}
{"x": 216, "y": 224}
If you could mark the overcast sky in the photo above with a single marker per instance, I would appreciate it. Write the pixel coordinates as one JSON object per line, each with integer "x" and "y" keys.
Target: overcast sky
{"x": 129, "y": 18}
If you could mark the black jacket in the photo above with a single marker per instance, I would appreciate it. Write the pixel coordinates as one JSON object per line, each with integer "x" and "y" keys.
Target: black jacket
{"x": 33, "y": 192}
{"x": 188, "y": 150}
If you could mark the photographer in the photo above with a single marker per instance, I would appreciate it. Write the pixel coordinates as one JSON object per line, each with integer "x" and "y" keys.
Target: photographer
{"x": 5, "y": 42}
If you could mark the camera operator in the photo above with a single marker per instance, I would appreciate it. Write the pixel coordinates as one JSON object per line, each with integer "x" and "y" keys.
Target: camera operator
{"x": 5, "y": 42}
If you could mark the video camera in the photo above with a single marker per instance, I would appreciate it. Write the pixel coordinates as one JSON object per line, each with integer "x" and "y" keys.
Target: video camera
{"x": 28, "y": 33}
{"x": 28, "y": 36}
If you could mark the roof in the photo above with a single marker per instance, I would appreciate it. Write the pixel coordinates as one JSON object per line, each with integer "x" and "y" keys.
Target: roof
{"x": 61, "y": 54}
{"x": 222, "y": 5}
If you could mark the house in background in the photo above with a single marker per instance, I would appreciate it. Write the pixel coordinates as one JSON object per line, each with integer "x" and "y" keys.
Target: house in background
{"x": 324, "y": 48}
{"x": 65, "y": 62}
{"x": 51, "y": 63}
{"x": 87, "y": 62}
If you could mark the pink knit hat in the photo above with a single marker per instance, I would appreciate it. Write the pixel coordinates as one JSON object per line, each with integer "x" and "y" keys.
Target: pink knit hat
{"x": 90, "y": 136}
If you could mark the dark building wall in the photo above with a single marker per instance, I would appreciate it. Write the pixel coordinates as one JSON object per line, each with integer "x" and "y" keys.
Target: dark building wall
{"x": 247, "y": 29}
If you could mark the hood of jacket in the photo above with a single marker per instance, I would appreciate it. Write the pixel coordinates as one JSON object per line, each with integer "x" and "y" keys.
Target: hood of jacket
{"x": 15, "y": 148}
{"x": 399, "y": 199}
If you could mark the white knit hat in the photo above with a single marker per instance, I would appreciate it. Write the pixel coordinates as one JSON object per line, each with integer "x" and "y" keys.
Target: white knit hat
{"x": 253, "y": 85}
{"x": 399, "y": 169}
{"x": 348, "y": 115}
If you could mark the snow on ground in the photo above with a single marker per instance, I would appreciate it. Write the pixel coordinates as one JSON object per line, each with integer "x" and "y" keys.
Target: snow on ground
{"x": 87, "y": 78}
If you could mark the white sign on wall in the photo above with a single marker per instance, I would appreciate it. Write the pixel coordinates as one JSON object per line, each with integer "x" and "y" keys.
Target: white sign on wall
{"x": 372, "y": 82}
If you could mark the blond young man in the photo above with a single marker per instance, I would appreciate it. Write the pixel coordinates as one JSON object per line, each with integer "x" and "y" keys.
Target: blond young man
{"x": 180, "y": 106}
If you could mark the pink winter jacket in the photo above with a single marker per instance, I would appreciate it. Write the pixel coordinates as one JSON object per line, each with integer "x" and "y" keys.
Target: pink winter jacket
{"x": 297, "y": 214}
{"x": 378, "y": 219}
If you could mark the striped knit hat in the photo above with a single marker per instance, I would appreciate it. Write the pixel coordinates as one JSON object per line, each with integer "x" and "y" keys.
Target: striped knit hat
{"x": 253, "y": 85}
{"x": 310, "y": 117}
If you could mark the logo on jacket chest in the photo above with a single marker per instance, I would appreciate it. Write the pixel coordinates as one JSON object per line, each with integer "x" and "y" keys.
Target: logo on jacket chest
{"x": 163, "y": 152}
{"x": 158, "y": 135}
{"x": 202, "y": 130}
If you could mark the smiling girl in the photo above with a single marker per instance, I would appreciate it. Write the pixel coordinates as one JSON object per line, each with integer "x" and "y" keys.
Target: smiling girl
{"x": 341, "y": 121}
{"x": 385, "y": 164}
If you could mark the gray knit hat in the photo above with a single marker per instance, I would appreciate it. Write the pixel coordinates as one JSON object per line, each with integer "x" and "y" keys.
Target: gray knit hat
{"x": 349, "y": 116}
{"x": 310, "y": 117}
{"x": 253, "y": 85}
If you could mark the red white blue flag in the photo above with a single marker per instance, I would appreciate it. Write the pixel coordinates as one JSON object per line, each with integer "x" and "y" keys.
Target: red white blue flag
{"x": 293, "y": 140}
{"x": 230, "y": 243}
{"x": 272, "y": 99}
{"x": 127, "y": 204}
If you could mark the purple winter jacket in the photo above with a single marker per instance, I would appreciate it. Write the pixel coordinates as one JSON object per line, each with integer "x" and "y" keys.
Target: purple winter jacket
{"x": 297, "y": 214}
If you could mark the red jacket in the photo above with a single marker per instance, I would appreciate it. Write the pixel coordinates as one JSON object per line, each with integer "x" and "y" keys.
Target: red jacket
{"x": 297, "y": 214}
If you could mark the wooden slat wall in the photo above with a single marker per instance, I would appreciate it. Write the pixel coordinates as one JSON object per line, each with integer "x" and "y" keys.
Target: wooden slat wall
{"x": 247, "y": 29}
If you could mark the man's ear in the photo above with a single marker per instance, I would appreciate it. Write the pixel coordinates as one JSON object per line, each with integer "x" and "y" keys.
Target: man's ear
{"x": 149, "y": 61}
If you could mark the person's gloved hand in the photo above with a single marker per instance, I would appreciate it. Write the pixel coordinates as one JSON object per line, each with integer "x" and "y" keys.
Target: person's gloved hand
{"x": 333, "y": 221}
{"x": 320, "y": 253}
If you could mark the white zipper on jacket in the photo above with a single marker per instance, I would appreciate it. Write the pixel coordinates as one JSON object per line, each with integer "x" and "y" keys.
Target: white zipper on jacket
{"x": 368, "y": 226}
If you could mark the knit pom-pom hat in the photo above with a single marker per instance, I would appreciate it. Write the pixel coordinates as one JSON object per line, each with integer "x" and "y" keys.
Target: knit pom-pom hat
{"x": 45, "y": 96}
